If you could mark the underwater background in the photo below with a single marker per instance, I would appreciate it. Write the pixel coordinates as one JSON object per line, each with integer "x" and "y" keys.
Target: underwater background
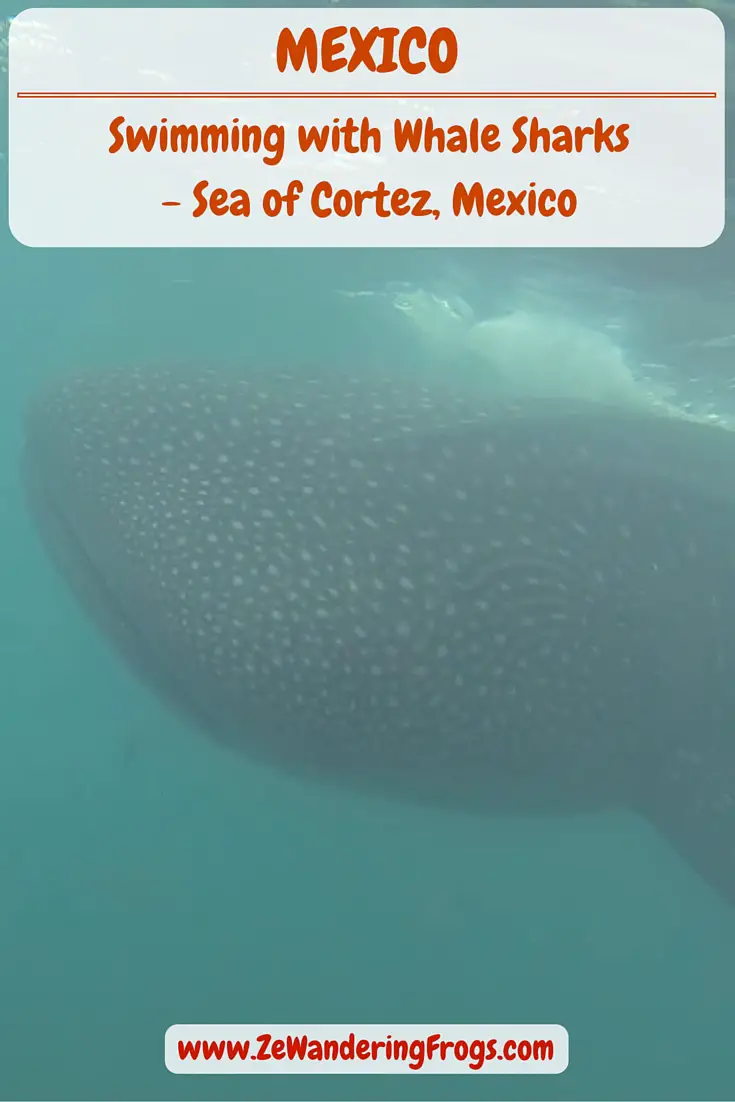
{"x": 148, "y": 877}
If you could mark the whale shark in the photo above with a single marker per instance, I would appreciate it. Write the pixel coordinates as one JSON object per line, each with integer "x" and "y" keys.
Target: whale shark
{"x": 360, "y": 579}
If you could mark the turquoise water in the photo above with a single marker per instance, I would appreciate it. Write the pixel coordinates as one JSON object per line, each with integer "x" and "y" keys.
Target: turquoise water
{"x": 149, "y": 878}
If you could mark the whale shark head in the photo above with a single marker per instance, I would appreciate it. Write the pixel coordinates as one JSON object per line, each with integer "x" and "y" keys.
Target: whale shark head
{"x": 389, "y": 585}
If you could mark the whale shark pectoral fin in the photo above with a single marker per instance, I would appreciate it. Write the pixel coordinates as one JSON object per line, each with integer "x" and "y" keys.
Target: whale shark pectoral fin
{"x": 682, "y": 751}
{"x": 696, "y": 814}
{"x": 691, "y": 802}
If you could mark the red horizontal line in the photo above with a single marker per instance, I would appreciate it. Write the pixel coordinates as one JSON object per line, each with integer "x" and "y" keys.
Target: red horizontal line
{"x": 366, "y": 95}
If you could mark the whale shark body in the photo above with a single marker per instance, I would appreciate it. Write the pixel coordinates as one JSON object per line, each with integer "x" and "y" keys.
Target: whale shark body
{"x": 520, "y": 606}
